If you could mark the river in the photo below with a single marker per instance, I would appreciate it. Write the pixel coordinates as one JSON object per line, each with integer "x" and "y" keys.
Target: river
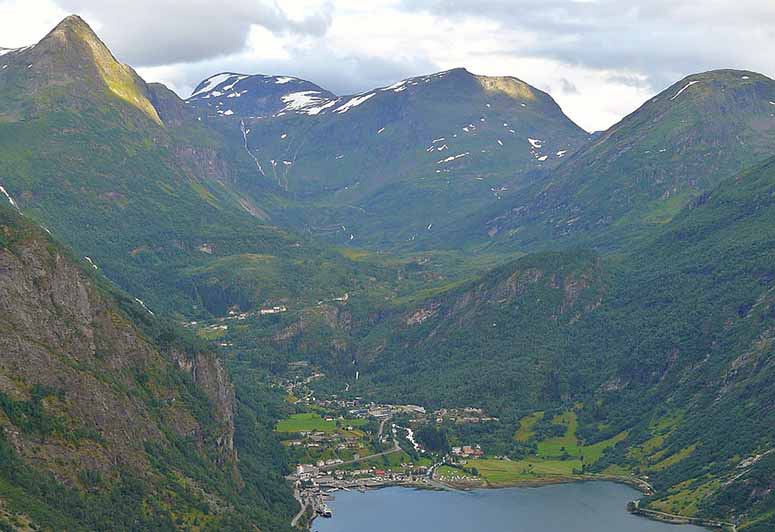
{"x": 575, "y": 507}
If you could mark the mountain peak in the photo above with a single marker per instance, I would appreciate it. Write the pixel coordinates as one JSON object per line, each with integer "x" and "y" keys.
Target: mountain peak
{"x": 243, "y": 95}
{"x": 72, "y": 28}
{"x": 508, "y": 85}
{"x": 73, "y": 51}
{"x": 73, "y": 22}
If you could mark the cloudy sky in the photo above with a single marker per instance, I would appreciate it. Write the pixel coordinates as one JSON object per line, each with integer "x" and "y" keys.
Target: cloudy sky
{"x": 600, "y": 59}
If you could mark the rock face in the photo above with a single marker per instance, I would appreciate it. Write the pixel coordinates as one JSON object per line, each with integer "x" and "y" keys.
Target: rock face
{"x": 87, "y": 387}
{"x": 208, "y": 373}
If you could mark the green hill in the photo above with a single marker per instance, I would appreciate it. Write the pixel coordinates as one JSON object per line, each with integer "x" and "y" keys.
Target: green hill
{"x": 634, "y": 177}
{"x": 670, "y": 343}
{"x": 124, "y": 174}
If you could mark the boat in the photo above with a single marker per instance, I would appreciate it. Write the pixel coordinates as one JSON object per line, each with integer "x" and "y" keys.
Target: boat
{"x": 325, "y": 511}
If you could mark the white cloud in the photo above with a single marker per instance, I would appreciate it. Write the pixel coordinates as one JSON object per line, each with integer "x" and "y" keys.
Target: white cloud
{"x": 600, "y": 59}
{"x": 24, "y": 22}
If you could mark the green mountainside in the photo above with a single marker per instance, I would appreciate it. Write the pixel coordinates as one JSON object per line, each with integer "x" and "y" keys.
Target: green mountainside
{"x": 380, "y": 168}
{"x": 669, "y": 347}
{"x": 636, "y": 176}
{"x": 121, "y": 172}
{"x": 109, "y": 420}
{"x": 636, "y": 340}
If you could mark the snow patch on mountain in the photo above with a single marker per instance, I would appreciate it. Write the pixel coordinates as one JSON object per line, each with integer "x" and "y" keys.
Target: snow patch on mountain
{"x": 353, "y": 102}
{"x": 212, "y": 82}
{"x": 307, "y": 102}
{"x": 6, "y": 51}
{"x": 677, "y": 94}
{"x": 453, "y": 157}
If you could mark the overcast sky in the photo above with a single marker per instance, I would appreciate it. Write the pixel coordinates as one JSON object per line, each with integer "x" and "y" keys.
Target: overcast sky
{"x": 600, "y": 59}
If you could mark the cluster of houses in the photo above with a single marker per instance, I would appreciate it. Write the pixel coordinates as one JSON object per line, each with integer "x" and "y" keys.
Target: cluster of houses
{"x": 468, "y": 451}
{"x": 333, "y": 440}
{"x": 382, "y": 411}
{"x": 273, "y": 310}
{"x": 314, "y": 476}
{"x": 462, "y": 415}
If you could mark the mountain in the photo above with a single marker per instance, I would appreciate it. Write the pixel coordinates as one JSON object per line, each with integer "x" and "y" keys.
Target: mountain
{"x": 257, "y": 96}
{"x": 70, "y": 55}
{"x": 381, "y": 167}
{"x": 123, "y": 173}
{"x": 109, "y": 419}
{"x": 666, "y": 349}
{"x": 645, "y": 319}
{"x": 638, "y": 174}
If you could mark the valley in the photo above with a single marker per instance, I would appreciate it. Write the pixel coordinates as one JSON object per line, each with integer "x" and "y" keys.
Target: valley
{"x": 218, "y": 310}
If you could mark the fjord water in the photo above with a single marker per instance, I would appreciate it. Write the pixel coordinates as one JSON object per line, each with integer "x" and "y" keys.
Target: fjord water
{"x": 577, "y": 507}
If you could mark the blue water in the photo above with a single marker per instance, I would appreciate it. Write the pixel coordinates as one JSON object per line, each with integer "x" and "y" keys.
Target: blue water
{"x": 577, "y": 507}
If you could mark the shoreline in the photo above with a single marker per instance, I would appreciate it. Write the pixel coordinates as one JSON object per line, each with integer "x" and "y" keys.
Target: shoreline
{"x": 632, "y": 507}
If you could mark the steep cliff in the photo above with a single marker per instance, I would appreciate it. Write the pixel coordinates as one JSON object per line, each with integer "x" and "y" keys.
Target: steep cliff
{"x": 100, "y": 402}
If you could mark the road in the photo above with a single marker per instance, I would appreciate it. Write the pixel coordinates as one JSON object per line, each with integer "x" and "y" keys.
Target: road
{"x": 664, "y": 516}
{"x": 303, "y": 505}
{"x": 396, "y": 448}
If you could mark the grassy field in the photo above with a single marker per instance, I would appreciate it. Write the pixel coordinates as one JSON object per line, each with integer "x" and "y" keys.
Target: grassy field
{"x": 673, "y": 459}
{"x": 592, "y": 453}
{"x": 685, "y": 498}
{"x": 391, "y": 461}
{"x": 452, "y": 474}
{"x": 567, "y": 443}
{"x": 547, "y": 463}
{"x": 309, "y": 422}
{"x": 529, "y": 469}
{"x": 525, "y": 430}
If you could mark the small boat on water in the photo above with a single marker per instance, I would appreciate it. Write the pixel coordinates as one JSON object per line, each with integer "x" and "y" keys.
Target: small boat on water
{"x": 325, "y": 511}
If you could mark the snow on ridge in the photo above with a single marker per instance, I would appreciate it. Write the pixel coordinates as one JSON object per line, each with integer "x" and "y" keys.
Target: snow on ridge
{"x": 5, "y": 51}
{"x": 299, "y": 100}
{"x": 212, "y": 82}
{"x": 677, "y": 94}
{"x": 409, "y": 82}
{"x": 396, "y": 87}
{"x": 227, "y": 88}
{"x": 353, "y": 102}
{"x": 316, "y": 110}
{"x": 535, "y": 143}
{"x": 283, "y": 79}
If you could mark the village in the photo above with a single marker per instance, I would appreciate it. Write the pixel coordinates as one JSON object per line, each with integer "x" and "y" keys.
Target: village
{"x": 352, "y": 444}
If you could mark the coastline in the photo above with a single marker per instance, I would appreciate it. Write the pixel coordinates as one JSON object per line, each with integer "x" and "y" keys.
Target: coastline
{"x": 633, "y": 507}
